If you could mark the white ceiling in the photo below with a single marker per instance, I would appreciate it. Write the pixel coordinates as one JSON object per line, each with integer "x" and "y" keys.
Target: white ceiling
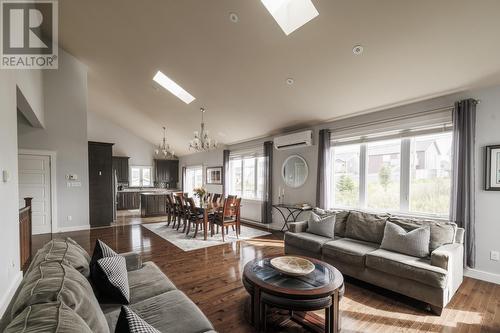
{"x": 413, "y": 50}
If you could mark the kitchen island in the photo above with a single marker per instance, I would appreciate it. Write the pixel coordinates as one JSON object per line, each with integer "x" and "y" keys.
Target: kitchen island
{"x": 154, "y": 203}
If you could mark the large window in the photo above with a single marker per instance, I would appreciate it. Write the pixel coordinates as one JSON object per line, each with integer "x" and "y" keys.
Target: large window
{"x": 141, "y": 176}
{"x": 193, "y": 178}
{"x": 246, "y": 176}
{"x": 406, "y": 175}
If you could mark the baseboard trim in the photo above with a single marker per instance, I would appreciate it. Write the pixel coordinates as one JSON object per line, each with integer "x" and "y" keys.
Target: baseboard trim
{"x": 75, "y": 228}
{"x": 4, "y": 302}
{"x": 482, "y": 275}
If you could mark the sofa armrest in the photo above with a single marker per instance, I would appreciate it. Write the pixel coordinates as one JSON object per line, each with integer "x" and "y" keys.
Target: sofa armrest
{"x": 133, "y": 260}
{"x": 297, "y": 227}
{"x": 445, "y": 254}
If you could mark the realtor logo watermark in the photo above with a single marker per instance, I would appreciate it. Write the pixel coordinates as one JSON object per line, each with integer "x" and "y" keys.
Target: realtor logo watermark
{"x": 29, "y": 34}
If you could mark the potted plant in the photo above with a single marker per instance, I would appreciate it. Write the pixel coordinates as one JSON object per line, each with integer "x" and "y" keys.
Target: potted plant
{"x": 201, "y": 193}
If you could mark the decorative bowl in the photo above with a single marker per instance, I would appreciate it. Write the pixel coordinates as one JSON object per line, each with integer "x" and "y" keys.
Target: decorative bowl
{"x": 293, "y": 266}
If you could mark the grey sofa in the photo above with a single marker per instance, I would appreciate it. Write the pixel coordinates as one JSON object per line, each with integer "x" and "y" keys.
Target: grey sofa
{"x": 355, "y": 251}
{"x": 55, "y": 293}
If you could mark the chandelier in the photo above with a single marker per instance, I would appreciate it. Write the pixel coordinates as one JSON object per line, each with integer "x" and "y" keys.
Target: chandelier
{"x": 201, "y": 141}
{"x": 163, "y": 149}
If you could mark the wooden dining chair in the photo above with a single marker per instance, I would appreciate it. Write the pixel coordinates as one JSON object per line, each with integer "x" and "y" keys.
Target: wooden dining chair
{"x": 215, "y": 198}
{"x": 170, "y": 210}
{"x": 228, "y": 216}
{"x": 181, "y": 212}
{"x": 195, "y": 217}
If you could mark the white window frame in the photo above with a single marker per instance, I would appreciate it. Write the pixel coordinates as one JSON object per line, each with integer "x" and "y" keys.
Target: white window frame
{"x": 184, "y": 177}
{"x": 255, "y": 175}
{"x": 405, "y": 176}
{"x": 141, "y": 181}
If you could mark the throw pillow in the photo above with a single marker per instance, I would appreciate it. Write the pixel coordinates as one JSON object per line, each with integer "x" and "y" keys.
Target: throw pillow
{"x": 365, "y": 226}
{"x": 130, "y": 322}
{"x": 102, "y": 250}
{"x": 414, "y": 243}
{"x": 321, "y": 226}
{"x": 111, "y": 280}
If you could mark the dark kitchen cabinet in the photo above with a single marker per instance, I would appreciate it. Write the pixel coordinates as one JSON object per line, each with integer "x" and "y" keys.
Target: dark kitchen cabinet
{"x": 120, "y": 164}
{"x": 153, "y": 204}
{"x": 128, "y": 200}
{"x": 167, "y": 171}
{"x": 100, "y": 184}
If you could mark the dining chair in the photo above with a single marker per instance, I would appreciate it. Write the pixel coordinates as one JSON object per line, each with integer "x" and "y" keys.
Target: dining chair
{"x": 181, "y": 211}
{"x": 215, "y": 198}
{"x": 228, "y": 216}
{"x": 195, "y": 216}
{"x": 170, "y": 210}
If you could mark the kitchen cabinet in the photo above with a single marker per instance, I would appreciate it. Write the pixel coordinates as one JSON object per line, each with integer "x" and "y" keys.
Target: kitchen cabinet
{"x": 100, "y": 183}
{"x": 128, "y": 200}
{"x": 167, "y": 171}
{"x": 120, "y": 164}
{"x": 153, "y": 204}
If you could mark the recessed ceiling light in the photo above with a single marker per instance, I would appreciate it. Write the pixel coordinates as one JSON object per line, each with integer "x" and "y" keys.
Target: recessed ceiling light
{"x": 357, "y": 50}
{"x": 290, "y": 81}
{"x": 173, "y": 87}
{"x": 233, "y": 17}
{"x": 291, "y": 14}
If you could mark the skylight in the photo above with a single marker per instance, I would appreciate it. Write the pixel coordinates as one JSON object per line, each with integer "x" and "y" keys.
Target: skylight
{"x": 291, "y": 14}
{"x": 173, "y": 87}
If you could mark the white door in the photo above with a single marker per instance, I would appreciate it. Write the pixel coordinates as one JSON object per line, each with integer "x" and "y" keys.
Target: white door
{"x": 34, "y": 181}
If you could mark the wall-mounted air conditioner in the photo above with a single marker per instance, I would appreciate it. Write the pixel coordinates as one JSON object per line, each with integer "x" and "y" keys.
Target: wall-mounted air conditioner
{"x": 294, "y": 140}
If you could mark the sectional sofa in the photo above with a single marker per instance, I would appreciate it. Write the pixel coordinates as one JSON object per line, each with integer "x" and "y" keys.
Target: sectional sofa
{"x": 55, "y": 295}
{"x": 355, "y": 250}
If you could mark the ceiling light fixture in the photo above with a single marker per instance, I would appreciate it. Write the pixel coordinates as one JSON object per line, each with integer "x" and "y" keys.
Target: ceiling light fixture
{"x": 202, "y": 141}
{"x": 291, "y": 14}
{"x": 233, "y": 17}
{"x": 163, "y": 149}
{"x": 357, "y": 50}
{"x": 173, "y": 87}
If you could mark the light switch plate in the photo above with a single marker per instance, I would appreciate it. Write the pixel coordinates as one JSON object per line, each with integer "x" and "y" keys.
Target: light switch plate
{"x": 5, "y": 176}
{"x": 494, "y": 255}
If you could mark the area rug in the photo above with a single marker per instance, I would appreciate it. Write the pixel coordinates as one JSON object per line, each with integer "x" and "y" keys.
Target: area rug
{"x": 188, "y": 243}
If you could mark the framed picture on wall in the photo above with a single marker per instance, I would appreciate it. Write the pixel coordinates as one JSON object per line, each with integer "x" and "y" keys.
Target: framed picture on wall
{"x": 492, "y": 173}
{"x": 214, "y": 175}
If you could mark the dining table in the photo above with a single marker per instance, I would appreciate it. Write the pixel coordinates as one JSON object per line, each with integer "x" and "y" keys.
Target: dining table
{"x": 207, "y": 208}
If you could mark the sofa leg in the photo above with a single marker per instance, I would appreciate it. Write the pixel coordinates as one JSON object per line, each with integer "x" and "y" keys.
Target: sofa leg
{"x": 437, "y": 310}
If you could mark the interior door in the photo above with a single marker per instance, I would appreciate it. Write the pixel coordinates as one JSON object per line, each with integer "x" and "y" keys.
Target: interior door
{"x": 34, "y": 181}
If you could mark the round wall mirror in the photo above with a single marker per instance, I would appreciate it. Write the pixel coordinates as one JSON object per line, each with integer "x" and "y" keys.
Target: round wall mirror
{"x": 294, "y": 171}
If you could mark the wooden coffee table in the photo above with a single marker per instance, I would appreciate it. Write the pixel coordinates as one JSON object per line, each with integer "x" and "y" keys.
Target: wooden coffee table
{"x": 321, "y": 289}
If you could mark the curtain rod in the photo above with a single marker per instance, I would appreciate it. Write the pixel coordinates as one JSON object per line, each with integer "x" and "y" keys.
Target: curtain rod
{"x": 384, "y": 121}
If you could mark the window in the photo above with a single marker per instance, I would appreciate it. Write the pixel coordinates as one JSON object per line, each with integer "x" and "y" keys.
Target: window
{"x": 246, "y": 175}
{"x": 193, "y": 178}
{"x": 140, "y": 176}
{"x": 409, "y": 174}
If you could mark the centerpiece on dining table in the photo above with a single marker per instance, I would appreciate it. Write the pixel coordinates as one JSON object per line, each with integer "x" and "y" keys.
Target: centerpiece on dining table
{"x": 201, "y": 193}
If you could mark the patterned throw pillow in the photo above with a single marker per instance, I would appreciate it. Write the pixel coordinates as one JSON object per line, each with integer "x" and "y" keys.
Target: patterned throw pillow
{"x": 414, "y": 243}
{"x": 109, "y": 274}
{"x": 130, "y": 322}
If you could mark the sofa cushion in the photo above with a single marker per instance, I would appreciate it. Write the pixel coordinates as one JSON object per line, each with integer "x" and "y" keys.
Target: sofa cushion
{"x": 111, "y": 280}
{"x": 441, "y": 232}
{"x": 341, "y": 222}
{"x": 48, "y": 318}
{"x": 63, "y": 250}
{"x": 321, "y": 225}
{"x": 53, "y": 281}
{"x": 130, "y": 322}
{"x": 351, "y": 251}
{"x": 414, "y": 242}
{"x": 365, "y": 226}
{"x": 307, "y": 241}
{"x": 405, "y": 266}
{"x": 169, "y": 312}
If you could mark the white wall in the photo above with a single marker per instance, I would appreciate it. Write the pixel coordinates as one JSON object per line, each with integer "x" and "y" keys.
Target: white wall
{"x": 31, "y": 82}
{"x": 125, "y": 142}
{"x": 65, "y": 104}
{"x": 10, "y": 274}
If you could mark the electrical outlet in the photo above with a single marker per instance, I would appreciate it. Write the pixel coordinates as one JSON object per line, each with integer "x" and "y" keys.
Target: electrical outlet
{"x": 70, "y": 218}
{"x": 495, "y": 255}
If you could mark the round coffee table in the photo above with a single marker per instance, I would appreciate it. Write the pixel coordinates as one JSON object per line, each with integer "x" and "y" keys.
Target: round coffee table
{"x": 321, "y": 289}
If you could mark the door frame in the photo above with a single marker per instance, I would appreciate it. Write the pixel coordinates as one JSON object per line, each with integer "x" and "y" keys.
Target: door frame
{"x": 53, "y": 189}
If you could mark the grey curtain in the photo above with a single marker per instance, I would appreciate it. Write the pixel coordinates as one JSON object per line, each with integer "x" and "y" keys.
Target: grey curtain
{"x": 463, "y": 181}
{"x": 324, "y": 169}
{"x": 267, "y": 205}
{"x": 183, "y": 178}
{"x": 225, "y": 170}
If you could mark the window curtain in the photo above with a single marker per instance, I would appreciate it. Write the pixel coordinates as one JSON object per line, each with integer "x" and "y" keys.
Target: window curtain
{"x": 183, "y": 180}
{"x": 463, "y": 180}
{"x": 267, "y": 201}
{"x": 225, "y": 170}
{"x": 324, "y": 169}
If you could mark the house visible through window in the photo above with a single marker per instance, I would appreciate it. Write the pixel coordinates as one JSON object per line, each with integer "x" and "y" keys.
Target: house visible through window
{"x": 410, "y": 174}
{"x": 193, "y": 178}
{"x": 141, "y": 176}
{"x": 246, "y": 175}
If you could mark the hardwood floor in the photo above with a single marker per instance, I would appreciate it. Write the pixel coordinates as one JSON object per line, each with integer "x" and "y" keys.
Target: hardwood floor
{"x": 211, "y": 277}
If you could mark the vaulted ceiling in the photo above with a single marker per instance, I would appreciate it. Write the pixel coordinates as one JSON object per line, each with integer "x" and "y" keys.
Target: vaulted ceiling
{"x": 412, "y": 50}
